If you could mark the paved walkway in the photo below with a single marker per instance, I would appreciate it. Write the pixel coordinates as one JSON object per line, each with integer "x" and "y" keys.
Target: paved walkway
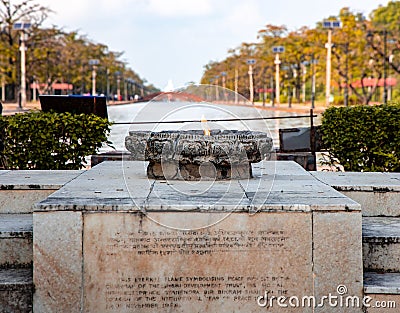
{"x": 13, "y": 108}
{"x": 295, "y": 107}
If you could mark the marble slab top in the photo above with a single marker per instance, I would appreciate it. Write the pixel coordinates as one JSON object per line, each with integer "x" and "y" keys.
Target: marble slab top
{"x": 281, "y": 186}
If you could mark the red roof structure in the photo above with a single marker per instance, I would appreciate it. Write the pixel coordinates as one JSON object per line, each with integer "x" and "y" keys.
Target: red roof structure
{"x": 371, "y": 82}
{"x": 54, "y": 86}
{"x": 172, "y": 96}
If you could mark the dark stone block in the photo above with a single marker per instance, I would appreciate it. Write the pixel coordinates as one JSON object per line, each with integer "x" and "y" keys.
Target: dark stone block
{"x": 109, "y": 156}
{"x": 75, "y": 104}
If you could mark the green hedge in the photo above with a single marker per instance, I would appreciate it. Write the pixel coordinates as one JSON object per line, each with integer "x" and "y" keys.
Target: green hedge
{"x": 363, "y": 138}
{"x": 39, "y": 140}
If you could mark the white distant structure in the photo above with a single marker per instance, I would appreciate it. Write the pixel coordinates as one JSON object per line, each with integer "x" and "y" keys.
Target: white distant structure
{"x": 169, "y": 87}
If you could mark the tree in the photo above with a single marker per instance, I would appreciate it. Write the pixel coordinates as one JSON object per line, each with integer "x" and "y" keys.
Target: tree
{"x": 387, "y": 18}
{"x": 54, "y": 55}
{"x": 350, "y": 50}
{"x": 26, "y": 10}
{"x": 356, "y": 57}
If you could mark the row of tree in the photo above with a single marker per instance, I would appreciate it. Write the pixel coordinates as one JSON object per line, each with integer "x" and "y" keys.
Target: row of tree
{"x": 56, "y": 56}
{"x": 363, "y": 48}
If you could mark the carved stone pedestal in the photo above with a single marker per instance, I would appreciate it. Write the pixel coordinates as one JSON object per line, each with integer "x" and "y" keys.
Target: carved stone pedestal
{"x": 191, "y": 155}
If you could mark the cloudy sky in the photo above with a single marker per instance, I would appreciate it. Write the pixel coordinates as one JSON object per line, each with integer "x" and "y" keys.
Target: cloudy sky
{"x": 173, "y": 39}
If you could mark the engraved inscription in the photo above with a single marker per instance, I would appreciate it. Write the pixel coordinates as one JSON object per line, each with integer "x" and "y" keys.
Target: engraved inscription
{"x": 173, "y": 291}
{"x": 163, "y": 242}
{"x": 133, "y": 264}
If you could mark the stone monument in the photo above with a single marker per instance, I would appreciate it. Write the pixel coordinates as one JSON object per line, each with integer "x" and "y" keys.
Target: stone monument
{"x": 193, "y": 155}
{"x": 140, "y": 245}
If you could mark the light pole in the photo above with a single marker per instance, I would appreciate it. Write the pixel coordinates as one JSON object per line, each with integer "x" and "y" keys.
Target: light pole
{"x": 49, "y": 81}
{"x": 94, "y": 63}
{"x": 304, "y": 74}
{"x": 277, "y": 50}
{"x": 69, "y": 76}
{"x": 131, "y": 88}
{"x": 22, "y": 27}
{"x": 330, "y": 25}
{"x": 3, "y": 83}
{"x": 216, "y": 88}
{"x": 125, "y": 89}
{"x": 223, "y": 75}
{"x": 390, "y": 59}
{"x": 385, "y": 67}
{"x": 346, "y": 87}
{"x": 313, "y": 61}
{"x": 294, "y": 72}
{"x": 34, "y": 89}
{"x": 118, "y": 74}
{"x": 251, "y": 62}
{"x": 210, "y": 91}
{"x": 236, "y": 85}
{"x": 134, "y": 88}
{"x": 108, "y": 84}
{"x": 272, "y": 90}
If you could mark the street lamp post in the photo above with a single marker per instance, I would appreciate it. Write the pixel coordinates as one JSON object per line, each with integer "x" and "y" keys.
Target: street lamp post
{"x": 330, "y": 25}
{"x": 3, "y": 89}
{"x": 3, "y": 83}
{"x": 223, "y": 75}
{"x": 313, "y": 61}
{"x": 236, "y": 84}
{"x": 118, "y": 74}
{"x": 346, "y": 87}
{"x": 69, "y": 76}
{"x": 390, "y": 60}
{"x": 94, "y": 63}
{"x": 251, "y": 62}
{"x": 22, "y": 27}
{"x": 216, "y": 88}
{"x": 49, "y": 84}
{"x": 385, "y": 69}
{"x": 272, "y": 89}
{"x": 210, "y": 90}
{"x": 304, "y": 74}
{"x": 277, "y": 50}
{"x": 34, "y": 89}
{"x": 134, "y": 88}
{"x": 108, "y": 84}
{"x": 126, "y": 90}
{"x": 294, "y": 72}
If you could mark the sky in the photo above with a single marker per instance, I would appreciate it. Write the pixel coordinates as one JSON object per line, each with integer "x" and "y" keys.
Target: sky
{"x": 165, "y": 40}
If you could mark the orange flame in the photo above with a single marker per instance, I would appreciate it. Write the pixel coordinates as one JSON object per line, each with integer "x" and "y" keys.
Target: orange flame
{"x": 204, "y": 125}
